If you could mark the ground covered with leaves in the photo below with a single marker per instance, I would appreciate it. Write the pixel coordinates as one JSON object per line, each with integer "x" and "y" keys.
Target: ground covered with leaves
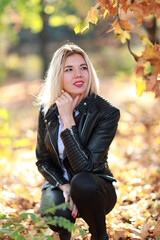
{"x": 134, "y": 160}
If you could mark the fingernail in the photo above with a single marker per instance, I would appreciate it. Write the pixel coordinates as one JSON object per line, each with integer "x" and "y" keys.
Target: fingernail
{"x": 73, "y": 215}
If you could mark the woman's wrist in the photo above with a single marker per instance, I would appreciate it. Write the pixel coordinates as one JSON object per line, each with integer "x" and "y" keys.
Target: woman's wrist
{"x": 64, "y": 186}
{"x": 68, "y": 123}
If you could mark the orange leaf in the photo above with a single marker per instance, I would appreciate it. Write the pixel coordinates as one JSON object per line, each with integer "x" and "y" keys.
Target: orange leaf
{"x": 144, "y": 229}
{"x": 119, "y": 233}
{"x": 156, "y": 230}
{"x": 124, "y": 24}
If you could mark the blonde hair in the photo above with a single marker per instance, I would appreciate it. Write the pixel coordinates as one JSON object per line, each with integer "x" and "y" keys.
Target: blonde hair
{"x": 52, "y": 86}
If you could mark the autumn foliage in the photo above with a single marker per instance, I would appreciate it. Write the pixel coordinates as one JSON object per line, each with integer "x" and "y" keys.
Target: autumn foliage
{"x": 133, "y": 159}
{"x": 127, "y": 17}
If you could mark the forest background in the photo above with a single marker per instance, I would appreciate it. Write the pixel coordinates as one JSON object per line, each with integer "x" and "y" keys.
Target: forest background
{"x": 30, "y": 32}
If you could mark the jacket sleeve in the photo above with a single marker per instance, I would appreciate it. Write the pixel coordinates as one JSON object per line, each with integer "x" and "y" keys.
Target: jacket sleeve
{"x": 86, "y": 158}
{"x": 44, "y": 162}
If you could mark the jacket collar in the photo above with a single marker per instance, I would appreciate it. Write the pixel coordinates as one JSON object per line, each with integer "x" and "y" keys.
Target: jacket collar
{"x": 85, "y": 102}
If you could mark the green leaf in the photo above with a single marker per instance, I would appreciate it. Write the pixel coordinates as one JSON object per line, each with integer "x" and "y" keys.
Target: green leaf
{"x": 23, "y": 215}
{"x": 6, "y": 225}
{"x": 20, "y": 237}
{"x": 15, "y": 220}
{"x": 82, "y": 232}
{"x": 21, "y": 229}
{"x": 33, "y": 217}
{"x": 82, "y": 26}
{"x": 3, "y": 5}
{"x": 48, "y": 238}
{"x": 62, "y": 206}
{"x": 15, "y": 234}
{"x": 148, "y": 68}
{"x": 3, "y": 217}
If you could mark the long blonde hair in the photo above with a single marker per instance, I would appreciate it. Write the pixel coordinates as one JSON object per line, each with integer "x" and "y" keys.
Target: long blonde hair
{"x": 52, "y": 86}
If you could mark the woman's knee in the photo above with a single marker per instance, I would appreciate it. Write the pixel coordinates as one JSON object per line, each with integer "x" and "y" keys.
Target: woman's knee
{"x": 83, "y": 185}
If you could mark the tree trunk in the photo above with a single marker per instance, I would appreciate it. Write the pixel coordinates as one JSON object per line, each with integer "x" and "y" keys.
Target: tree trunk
{"x": 43, "y": 41}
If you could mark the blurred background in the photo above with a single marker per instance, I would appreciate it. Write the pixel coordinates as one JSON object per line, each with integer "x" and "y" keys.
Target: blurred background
{"x": 30, "y": 32}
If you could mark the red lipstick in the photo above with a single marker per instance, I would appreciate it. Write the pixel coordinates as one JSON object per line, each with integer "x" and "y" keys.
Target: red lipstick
{"x": 79, "y": 83}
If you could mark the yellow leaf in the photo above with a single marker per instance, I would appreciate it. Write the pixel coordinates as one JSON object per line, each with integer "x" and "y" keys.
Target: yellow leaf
{"x": 5, "y": 142}
{"x": 118, "y": 31}
{"x": 4, "y": 114}
{"x": 92, "y": 14}
{"x": 82, "y": 26}
{"x": 23, "y": 142}
{"x": 140, "y": 86}
{"x": 105, "y": 13}
{"x": 49, "y": 9}
{"x": 157, "y": 140}
{"x": 125, "y": 36}
{"x": 56, "y": 20}
{"x": 146, "y": 41}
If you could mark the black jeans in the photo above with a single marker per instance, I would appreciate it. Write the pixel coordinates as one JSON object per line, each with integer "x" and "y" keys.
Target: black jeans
{"x": 94, "y": 198}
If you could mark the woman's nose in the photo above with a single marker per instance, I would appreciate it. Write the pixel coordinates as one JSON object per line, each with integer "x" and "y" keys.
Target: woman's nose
{"x": 77, "y": 72}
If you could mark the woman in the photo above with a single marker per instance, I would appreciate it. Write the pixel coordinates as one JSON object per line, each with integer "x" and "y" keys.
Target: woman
{"x": 76, "y": 127}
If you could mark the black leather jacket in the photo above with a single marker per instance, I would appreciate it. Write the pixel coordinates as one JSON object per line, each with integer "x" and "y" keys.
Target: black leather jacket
{"x": 86, "y": 144}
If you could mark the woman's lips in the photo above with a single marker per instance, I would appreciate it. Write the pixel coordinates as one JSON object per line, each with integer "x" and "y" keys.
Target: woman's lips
{"x": 78, "y": 84}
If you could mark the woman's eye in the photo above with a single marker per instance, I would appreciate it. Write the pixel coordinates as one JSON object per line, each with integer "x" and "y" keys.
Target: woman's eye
{"x": 68, "y": 70}
{"x": 84, "y": 68}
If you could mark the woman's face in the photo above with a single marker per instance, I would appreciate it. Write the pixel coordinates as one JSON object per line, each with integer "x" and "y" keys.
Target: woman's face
{"x": 75, "y": 78}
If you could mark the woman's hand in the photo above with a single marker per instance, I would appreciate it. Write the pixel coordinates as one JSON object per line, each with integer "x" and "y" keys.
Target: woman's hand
{"x": 66, "y": 104}
{"x": 73, "y": 208}
{"x": 66, "y": 193}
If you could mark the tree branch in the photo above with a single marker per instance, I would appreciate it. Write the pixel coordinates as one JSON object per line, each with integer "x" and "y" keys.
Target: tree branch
{"x": 120, "y": 24}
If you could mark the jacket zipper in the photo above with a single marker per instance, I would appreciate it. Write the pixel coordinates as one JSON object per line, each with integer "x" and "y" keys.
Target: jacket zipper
{"x": 85, "y": 124}
{"x": 50, "y": 174}
{"x": 71, "y": 131}
{"x": 53, "y": 146}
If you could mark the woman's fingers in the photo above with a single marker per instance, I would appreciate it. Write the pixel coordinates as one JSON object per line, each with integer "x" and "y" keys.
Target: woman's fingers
{"x": 73, "y": 208}
{"x": 66, "y": 191}
{"x": 74, "y": 211}
{"x": 67, "y": 96}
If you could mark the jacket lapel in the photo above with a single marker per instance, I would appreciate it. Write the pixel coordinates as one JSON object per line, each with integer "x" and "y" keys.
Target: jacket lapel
{"x": 53, "y": 126}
